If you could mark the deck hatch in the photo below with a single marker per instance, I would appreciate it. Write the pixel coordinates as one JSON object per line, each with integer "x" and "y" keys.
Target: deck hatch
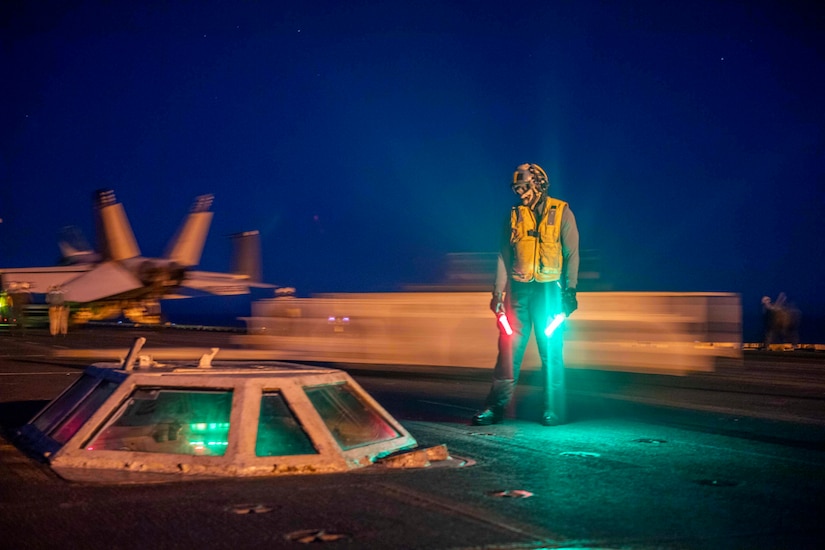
{"x": 144, "y": 421}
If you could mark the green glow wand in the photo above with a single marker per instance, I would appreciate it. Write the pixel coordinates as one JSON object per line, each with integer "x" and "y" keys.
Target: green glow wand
{"x": 554, "y": 323}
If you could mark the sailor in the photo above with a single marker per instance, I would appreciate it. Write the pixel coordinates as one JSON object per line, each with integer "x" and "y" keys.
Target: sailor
{"x": 536, "y": 278}
{"x": 58, "y": 311}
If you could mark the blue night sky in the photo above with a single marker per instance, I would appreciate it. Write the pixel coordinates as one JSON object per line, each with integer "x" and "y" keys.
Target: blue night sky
{"x": 367, "y": 139}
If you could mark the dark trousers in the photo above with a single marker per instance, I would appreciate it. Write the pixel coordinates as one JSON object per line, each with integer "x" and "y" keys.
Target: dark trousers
{"x": 530, "y": 306}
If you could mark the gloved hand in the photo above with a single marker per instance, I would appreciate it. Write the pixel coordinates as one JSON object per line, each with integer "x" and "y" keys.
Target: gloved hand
{"x": 568, "y": 301}
{"x": 497, "y": 303}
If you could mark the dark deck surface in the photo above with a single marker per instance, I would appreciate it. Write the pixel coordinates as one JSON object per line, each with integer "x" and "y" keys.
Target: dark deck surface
{"x": 733, "y": 459}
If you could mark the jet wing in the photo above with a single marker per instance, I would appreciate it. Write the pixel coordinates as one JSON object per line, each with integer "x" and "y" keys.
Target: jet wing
{"x": 105, "y": 280}
{"x": 206, "y": 283}
{"x": 39, "y": 279}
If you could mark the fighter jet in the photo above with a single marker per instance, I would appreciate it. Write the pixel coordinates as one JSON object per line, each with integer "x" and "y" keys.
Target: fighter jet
{"x": 118, "y": 278}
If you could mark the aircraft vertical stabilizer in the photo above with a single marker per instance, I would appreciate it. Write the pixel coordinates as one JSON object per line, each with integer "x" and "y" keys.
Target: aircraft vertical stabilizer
{"x": 246, "y": 255}
{"x": 117, "y": 241}
{"x": 187, "y": 246}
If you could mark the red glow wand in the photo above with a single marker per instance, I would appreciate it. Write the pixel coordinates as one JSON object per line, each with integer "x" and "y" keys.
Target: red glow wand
{"x": 505, "y": 324}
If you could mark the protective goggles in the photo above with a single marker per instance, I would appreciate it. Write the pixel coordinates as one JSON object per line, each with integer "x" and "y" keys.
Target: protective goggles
{"x": 522, "y": 187}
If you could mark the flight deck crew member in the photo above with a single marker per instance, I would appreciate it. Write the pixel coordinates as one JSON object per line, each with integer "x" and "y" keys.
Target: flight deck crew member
{"x": 536, "y": 278}
{"x": 58, "y": 311}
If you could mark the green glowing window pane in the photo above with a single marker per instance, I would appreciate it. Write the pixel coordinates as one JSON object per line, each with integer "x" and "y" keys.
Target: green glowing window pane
{"x": 279, "y": 433}
{"x": 176, "y": 421}
{"x": 352, "y": 422}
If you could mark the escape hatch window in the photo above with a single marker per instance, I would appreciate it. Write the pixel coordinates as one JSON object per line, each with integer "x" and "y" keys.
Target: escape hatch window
{"x": 279, "y": 432}
{"x": 350, "y": 420}
{"x": 169, "y": 420}
{"x": 66, "y": 414}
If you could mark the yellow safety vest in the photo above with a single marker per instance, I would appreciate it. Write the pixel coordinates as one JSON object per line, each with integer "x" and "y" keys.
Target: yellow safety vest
{"x": 537, "y": 254}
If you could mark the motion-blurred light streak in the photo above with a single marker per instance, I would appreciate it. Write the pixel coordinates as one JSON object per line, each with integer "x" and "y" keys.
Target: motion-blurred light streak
{"x": 649, "y": 332}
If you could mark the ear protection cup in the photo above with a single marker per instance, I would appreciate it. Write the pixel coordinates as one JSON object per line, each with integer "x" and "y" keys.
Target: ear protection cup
{"x": 540, "y": 177}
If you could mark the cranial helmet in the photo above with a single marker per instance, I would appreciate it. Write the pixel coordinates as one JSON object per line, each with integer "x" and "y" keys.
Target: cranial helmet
{"x": 531, "y": 173}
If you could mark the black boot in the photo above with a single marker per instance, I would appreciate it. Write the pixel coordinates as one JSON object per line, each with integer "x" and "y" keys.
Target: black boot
{"x": 551, "y": 419}
{"x": 490, "y": 415}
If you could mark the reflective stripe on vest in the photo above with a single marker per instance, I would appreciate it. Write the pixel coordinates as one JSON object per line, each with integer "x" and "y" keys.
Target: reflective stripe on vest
{"x": 537, "y": 254}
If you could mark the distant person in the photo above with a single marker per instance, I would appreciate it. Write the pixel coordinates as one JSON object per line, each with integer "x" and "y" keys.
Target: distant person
{"x": 769, "y": 314}
{"x": 781, "y": 321}
{"x": 793, "y": 320}
{"x": 536, "y": 277}
{"x": 58, "y": 311}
